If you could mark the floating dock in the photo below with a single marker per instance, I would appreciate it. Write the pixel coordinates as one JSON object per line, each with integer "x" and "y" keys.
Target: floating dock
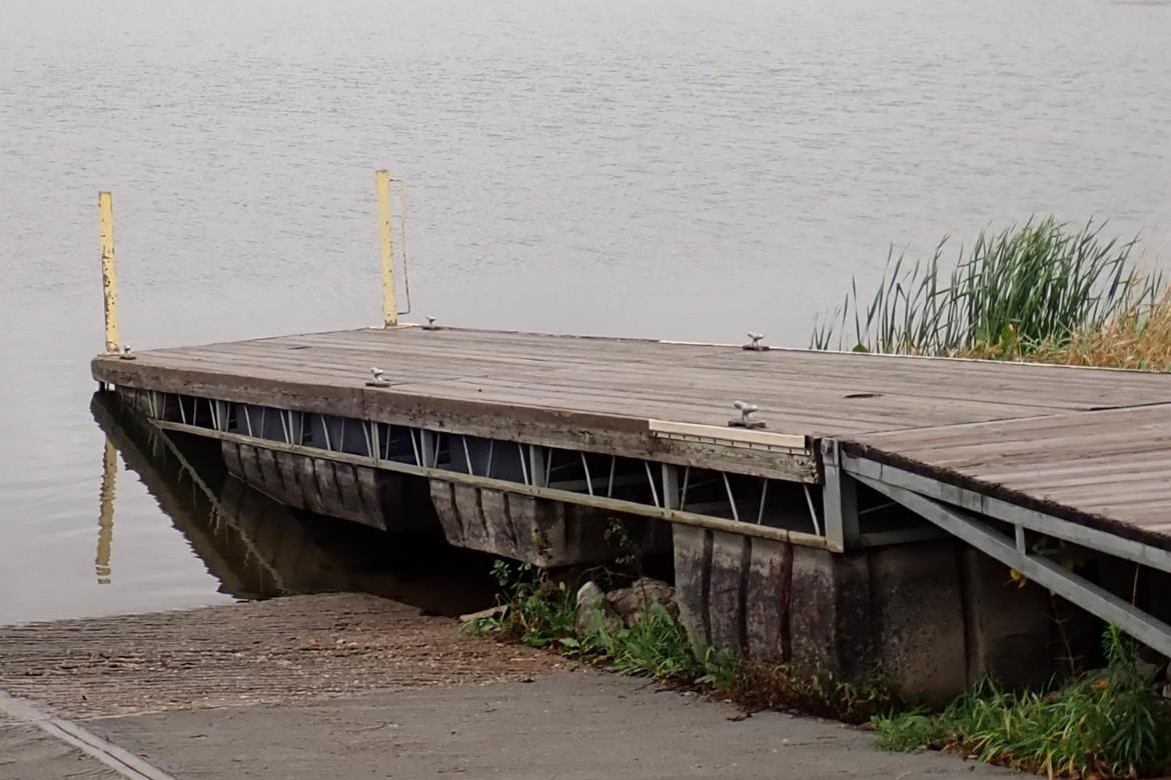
{"x": 529, "y": 441}
{"x": 1089, "y": 446}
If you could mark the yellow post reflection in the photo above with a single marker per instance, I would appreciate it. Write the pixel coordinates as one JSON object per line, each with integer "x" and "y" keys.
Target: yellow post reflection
{"x": 106, "y": 513}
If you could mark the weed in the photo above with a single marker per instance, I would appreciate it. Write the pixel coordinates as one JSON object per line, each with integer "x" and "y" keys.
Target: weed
{"x": 617, "y": 536}
{"x": 907, "y": 732}
{"x": 658, "y": 646}
{"x": 534, "y": 610}
{"x": 1112, "y": 723}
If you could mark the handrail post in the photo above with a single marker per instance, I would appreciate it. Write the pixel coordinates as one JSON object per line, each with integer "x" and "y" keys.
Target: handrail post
{"x": 840, "y": 500}
{"x": 109, "y": 271}
{"x": 386, "y": 239}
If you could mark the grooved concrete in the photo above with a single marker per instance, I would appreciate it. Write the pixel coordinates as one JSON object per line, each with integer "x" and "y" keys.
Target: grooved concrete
{"x": 578, "y": 726}
{"x": 348, "y": 686}
{"x": 28, "y": 753}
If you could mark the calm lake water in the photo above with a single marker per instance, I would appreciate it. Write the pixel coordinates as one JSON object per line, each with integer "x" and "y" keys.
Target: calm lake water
{"x": 677, "y": 169}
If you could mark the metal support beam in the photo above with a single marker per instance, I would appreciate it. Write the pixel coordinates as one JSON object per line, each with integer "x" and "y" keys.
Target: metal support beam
{"x": 373, "y": 440}
{"x": 428, "y": 449}
{"x": 1030, "y": 519}
{"x": 1147, "y": 629}
{"x": 544, "y": 471}
{"x": 220, "y": 414}
{"x": 808, "y": 503}
{"x": 431, "y": 472}
{"x": 585, "y": 468}
{"x": 731, "y": 496}
{"x": 839, "y": 500}
{"x": 538, "y": 465}
{"x": 670, "y": 486}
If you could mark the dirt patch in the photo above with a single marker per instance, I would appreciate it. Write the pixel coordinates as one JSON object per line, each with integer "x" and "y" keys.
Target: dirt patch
{"x": 285, "y": 650}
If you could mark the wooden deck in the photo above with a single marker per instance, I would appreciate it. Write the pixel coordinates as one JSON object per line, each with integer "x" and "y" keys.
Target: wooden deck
{"x": 1085, "y": 444}
{"x": 1109, "y": 469}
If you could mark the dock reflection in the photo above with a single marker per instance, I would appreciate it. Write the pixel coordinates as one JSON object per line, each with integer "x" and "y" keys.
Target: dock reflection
{"x": 258, "y": 548}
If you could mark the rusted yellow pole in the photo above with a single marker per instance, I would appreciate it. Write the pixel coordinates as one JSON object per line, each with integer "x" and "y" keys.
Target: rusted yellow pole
{"x": 386, "y": 238}
{"x": 109, "y": 270}
{"x": 106, "y": 513}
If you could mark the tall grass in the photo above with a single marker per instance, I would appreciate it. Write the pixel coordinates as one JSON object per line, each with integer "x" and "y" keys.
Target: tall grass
{"x": 1014, "y": 291}
{"x": 1112, "y": 723}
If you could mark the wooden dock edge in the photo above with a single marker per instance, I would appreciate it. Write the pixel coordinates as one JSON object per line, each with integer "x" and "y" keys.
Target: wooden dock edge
{"x": 772, "y": 456}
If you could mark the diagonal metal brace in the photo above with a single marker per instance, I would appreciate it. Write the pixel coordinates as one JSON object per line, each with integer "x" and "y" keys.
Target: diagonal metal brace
{"x": 1147, "y": 629}
{"x": 1032, "y": 520}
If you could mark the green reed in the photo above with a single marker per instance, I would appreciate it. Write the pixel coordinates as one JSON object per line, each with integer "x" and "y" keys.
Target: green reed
{"x": 1032, "y": 284}
{"x": 1104, "y": 724}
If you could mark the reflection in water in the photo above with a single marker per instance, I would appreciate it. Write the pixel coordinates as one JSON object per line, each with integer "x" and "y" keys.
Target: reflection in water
{"x": 106, "y": 513}
{"x": 258, "y": 548}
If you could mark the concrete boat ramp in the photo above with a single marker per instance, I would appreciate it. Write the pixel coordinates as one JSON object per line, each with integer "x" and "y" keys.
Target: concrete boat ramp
{"x": 352, "y": 686}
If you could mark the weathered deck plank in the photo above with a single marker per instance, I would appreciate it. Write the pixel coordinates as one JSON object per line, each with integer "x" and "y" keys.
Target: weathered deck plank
{"x": 1094, "y": 444}
{"x": 799, "y": 392}
{"x": 1108, "y": 469}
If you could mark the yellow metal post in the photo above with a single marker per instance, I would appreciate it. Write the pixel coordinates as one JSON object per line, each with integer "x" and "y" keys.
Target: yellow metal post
{"x": 106, "y": 513}
{"x": 109, "y": 270}
{"x": 386, "y": 238}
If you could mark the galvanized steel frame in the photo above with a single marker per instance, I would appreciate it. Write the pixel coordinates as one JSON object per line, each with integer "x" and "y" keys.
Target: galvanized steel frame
{"x": 1004, "y": 511}
{"x": 973, "y": 518}
{"x": 668, "y": 492}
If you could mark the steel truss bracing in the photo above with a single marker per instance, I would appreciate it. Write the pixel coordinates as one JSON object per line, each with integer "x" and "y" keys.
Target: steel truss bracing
{"x": 836, "y": 518}
{"x": 1002, "y": 530}
{"x": 739, "y": 503}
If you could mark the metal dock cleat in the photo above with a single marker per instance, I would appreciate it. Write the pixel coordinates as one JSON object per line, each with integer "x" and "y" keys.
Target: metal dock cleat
{"x": 127, "y": 354}
{"x": 377, "y": 379}
{"x": 745, "y": 421}
{"x": 430, "y": 324}
{"x": 756, "y": 345}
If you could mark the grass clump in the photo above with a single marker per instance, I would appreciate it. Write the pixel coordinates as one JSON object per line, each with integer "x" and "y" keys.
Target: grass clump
{"x": 1013, "y": 293}
{"x": 1108, "y": 724}
{"x": 533, "y": 609}
{"x": 658, "y": 646}
{"x": 781, "y": 686}
{"x": 538, "y": 612}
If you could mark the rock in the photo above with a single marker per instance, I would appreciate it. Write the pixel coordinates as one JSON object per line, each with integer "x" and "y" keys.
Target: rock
{"x": 589, "y": 595}
{"x": 594, "y": 613}
{"x": 631, "y": 603}
{"x": 490, "y": 612}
